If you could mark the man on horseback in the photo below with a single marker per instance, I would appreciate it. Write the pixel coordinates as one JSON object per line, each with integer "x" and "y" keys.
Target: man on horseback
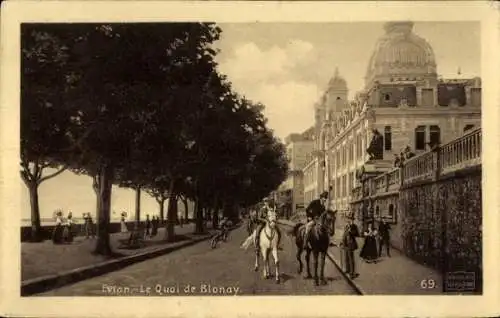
{"x": 264, "y": 212}
{"x": 313, "y": 211}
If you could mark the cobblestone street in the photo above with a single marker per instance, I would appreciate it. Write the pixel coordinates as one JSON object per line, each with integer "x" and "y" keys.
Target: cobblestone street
{"x": 200, "y": 270}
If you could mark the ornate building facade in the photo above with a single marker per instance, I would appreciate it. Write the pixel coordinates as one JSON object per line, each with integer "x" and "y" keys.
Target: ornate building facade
{"x": 290, "y": 195}
{"x": 404, "y": 99}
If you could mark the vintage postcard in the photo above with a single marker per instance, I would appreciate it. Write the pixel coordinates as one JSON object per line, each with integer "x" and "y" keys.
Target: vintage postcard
{"x": 249, "y": 159}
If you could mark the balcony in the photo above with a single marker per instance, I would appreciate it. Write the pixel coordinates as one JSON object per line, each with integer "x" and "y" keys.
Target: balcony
{"x": 456, "y": 155}
{"x": 460, "y": 153}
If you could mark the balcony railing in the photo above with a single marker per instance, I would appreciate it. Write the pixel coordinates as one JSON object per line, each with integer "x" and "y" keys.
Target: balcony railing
{"x": 394, "y": 178}
{"x": 458, "y": 154}
{"x": 422, "y": 167}
{"x": 462, "y": 152}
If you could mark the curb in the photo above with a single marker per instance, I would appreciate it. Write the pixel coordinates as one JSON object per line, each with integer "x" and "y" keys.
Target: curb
{"x": 335, "y": 262}
{"x": 351, "y": 282}
{"x": 41, "y": 284}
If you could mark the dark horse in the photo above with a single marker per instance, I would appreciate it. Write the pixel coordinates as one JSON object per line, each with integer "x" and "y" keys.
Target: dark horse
{"x": 319, "y": 240}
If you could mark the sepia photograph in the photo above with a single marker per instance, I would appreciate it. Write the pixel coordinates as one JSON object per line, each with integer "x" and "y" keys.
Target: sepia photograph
{"x": 205, "y": 157}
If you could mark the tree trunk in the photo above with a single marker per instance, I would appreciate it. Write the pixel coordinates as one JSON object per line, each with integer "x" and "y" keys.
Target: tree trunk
{"x": 137, "y": 207}
{"x": 36, "y": 229}
{"x": 170, "y": 224}
{"x": 199, "y": 228}
{"x": 176, "y": 210}
{"x": 186, "y": 214}
{"x": 103, "y": 213}
{"x": 95, "y": 186}
{"x": 161, "y": 202}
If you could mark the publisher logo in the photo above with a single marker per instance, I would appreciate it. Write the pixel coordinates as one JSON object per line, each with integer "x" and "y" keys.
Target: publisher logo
{"x": 460, "y": 281}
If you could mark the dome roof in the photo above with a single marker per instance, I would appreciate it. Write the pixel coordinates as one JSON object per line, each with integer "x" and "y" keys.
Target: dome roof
{"x": 337, "y": 81}
{"x": 400, "y": 53}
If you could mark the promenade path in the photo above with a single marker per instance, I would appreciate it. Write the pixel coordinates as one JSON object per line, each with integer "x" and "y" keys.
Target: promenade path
{"x": 225, "y": 270}
{"x": 46, "y": 258}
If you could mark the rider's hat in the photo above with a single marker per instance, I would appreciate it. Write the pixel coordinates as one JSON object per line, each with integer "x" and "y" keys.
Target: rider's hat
{"x": 324, "y": 195}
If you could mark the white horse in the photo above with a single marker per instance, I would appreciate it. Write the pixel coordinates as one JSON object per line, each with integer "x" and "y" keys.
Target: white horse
{"x": 269, "y": 240}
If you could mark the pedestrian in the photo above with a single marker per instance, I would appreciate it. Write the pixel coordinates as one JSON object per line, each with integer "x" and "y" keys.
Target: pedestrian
{"x": 91, "y": 226}
{"x": 369, "y": 250}
{"x": 58, "y": 229}
{"x": 148, "y": 226}
{"x": 67, "y": 229}
{"x": 154, "y": 224}
{"x": 397, "y": 161}
{"x": 409, "y": 154}
{"x": 123, "y": 225}
{"x": 349, "y": 245}
{"x": 385, "y": 238}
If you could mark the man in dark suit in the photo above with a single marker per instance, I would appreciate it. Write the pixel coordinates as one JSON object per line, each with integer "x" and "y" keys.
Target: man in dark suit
{"x": 349, "y": 245}
{"x": 313, "y": 211}
{"x": 383, "y": 231}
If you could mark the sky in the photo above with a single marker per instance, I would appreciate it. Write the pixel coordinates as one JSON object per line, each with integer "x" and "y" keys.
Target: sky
{"x": 285, "y": 66}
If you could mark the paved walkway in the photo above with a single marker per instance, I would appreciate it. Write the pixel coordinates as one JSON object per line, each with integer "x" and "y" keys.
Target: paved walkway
{"x": 200, "y": 270}
{"x": 46, "y": 258}
{"x": 395, "y": 275}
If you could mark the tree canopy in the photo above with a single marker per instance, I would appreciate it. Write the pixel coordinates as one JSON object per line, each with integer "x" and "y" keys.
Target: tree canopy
{"x": 142, "y": 106}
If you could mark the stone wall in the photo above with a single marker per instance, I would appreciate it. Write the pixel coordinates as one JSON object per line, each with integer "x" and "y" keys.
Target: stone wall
{"x": 442, "y": 223}
{"x": 434, "y": 206}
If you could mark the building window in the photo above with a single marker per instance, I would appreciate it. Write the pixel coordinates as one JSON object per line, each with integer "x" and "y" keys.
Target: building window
{"x": 338, "y": 98}
{"x": 434, "y": 136}
{"x": 387, "y": 138}
{"x": 420, "y": 138}
{"x": 391, "y": 210}
{"x": 377, "y": 211}
{"x": 387, "y": 97}
{"x": 475, "y": 96}
{"x": 468, "y": 127}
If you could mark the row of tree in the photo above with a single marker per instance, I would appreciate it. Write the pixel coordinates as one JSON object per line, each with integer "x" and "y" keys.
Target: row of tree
{"x": 141, "y": 106}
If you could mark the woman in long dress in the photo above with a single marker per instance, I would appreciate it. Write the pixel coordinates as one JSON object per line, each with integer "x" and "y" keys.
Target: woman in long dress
{"x": 124, "y": 228}
{"x": 369, "y": 250}
{"x": 67, "y": 230}
{"x": 58, "y": 230}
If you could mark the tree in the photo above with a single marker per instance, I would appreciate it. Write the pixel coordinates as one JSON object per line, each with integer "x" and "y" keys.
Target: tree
{"x": 45, "y": 121}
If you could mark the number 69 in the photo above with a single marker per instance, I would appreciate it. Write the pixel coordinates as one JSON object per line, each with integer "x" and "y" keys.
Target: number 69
{"x": 427, "y": 283}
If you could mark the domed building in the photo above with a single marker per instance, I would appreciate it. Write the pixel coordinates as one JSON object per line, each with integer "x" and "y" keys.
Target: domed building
{"x": 404, "y": 100}
{"x": 401, "y": 55}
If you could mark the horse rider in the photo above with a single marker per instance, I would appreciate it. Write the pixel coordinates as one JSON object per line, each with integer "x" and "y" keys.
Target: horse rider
{"x": 313, "y": 211}
{"x": 264, "y": 212}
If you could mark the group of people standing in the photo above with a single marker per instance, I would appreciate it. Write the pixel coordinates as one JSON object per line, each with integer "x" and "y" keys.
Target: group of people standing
{"x": 150, "y": 225}
{"x": 400, "y": 159}
{"x": 62, "y": 232}
{"x": 369, "y": 251}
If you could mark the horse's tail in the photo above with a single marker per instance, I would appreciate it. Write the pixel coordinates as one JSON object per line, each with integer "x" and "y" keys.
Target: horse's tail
{"x": 248, "y": 241}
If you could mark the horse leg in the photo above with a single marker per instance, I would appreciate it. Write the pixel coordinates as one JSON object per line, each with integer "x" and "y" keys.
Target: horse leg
{"x": 315, "y": 265}
{"x": 308, "y": 257}
{"x": 257, "y": 251}
{"x": 276, "y": 263}
{"x": 266, "y": 263}
{"x": 299, "y": 254}
{"x": 256, "y": 266}
{"x": 322, "y": 268}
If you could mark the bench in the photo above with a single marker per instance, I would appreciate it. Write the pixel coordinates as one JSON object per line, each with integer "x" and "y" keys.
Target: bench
{"x": 135, "y": 240}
